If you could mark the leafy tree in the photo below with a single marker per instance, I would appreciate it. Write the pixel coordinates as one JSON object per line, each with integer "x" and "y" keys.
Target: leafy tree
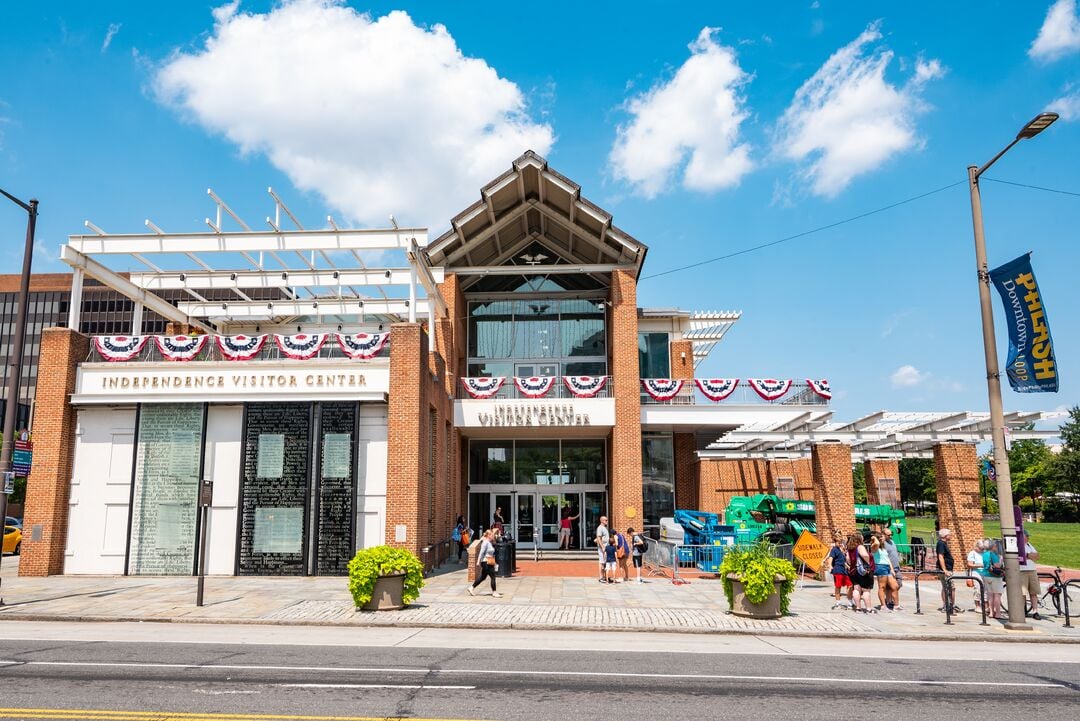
{"x": 858, "y": 475}
{"x": 1030, "y": 463}
{"x": 1064, "y": 469}
{"x": 917, "y": 480}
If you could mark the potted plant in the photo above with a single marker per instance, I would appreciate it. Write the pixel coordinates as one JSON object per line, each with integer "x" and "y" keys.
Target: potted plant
{"x": 384, "y": 578}
{"x": 756, "y": 583}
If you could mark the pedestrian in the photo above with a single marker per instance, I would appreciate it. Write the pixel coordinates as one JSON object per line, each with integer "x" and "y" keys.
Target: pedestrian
{"x": 993, "y": 573}
{"x": 601, "y": 539}
{"x": 640, "y": 545}
{"x": 622, "y": 556}
{"x": 1029, "y": 578}
{"x": 497, "y": 521}
{"x": 860, "y": 568}
{"x": 974, "y": 564}
{"x": 945, "y": 564}
{"x": 461, "y": 536}
{"x": 894, "y": 559}
{"x": 836, "y": 562}
{"x": 883, "y": 570}
{"x": 610, "y": 558}
{"x": 485, "y": 563}
{"x": 564, "y": 529}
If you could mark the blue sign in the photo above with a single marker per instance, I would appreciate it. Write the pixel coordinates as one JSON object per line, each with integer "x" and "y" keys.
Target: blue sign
{"x": 1031, "y": 367}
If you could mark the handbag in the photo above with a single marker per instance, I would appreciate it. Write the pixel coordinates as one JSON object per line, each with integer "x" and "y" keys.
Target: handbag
{"x": 465, "y": 538}
{"x": 490, "y": 560}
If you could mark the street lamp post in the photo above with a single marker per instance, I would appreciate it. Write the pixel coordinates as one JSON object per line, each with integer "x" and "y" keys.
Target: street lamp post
{"x": 1017, "y": 618}
{"x": 11, "y": 408}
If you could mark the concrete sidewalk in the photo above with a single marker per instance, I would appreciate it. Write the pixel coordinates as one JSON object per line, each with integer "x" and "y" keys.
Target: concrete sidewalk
{"x": 529, "y": 602}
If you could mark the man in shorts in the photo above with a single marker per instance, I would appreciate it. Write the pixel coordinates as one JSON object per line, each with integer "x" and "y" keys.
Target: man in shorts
{"x": 602, "y": 536}
{"x": 1029, "y": 578}
{"x": 945, "y": 564}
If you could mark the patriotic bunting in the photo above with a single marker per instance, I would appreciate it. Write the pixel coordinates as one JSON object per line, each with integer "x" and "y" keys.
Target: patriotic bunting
{"x": 180, "y": 347}
{"x": 362, "y": 346}
{"x": 584, "y": 386}
{"x": 716, "y": 389}
{"x": 119, "y": 347}
{"x": 534, "y": 386}
{"x": 769, "y": 388}
{"x": 240, "y": 347}
{"x": 820, "y": 387}
{"x": 300, "y": 346}
{"x": 661, "y": 389}
{"x": 482, "y": 387}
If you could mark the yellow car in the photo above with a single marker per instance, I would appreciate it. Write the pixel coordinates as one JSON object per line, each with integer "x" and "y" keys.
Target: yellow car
{"x": 12, "y": 540}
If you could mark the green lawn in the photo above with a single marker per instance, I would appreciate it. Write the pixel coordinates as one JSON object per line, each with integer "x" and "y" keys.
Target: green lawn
{"x": 1058, "y": 543}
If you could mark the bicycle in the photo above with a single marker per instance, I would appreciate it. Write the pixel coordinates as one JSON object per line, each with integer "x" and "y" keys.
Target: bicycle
{"x": 1055, "y": 592}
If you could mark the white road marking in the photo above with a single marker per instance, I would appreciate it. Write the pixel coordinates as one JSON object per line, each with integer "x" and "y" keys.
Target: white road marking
{"x": 495, "y": 673}
{"x": 374, "y": 685}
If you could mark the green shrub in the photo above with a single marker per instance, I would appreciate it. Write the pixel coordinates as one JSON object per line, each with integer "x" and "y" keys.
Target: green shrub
{"x": 1061, "y": 510}
{"x": 370, "y": 563}
{"x": 757, "y": 568}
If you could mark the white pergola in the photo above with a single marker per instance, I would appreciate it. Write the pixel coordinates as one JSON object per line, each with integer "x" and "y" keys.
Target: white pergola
{"x": 707, "y": 328}
{"x": 881, "y": 435}
{"x": 320, "y": 275}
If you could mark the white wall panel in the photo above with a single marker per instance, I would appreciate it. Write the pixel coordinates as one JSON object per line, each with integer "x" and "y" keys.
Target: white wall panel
{"x": 223, "y": 451}
{"x": 100, "y": 491}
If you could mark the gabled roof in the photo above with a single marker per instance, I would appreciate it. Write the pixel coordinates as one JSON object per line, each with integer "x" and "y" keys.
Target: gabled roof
{"x": 532, "y": 205}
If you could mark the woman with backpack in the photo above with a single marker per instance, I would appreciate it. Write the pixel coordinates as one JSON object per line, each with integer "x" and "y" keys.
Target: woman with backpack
{"x": 993, "y": 573}
{"x": 860, "y": 569}
{"x": 461, "y": 536}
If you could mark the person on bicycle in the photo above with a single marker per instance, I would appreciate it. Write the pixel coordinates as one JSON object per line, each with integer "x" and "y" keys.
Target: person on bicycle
{"x": 1029, "y": 578}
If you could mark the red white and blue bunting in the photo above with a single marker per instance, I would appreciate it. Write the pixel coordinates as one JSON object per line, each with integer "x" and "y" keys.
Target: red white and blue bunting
{"x": 534, "y": 386}
{"x": 716, "y": 389}
{"x": 769, "y": 388}
{"x": 362, "y": 346}
{"x": 119, "y": 347}
{"x": 240, "y": 347}
{"x": 584, "y": 386}
{"x": 820, "y": 387}
{"x": 483, "y": 387}
{"x": 180, "y": 347}
{"x": 661, "y": 389}
{"x": 300, "y": 346}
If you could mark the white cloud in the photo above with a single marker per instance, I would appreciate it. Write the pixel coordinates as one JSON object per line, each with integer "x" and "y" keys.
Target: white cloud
{"x": 114, "y": 28}
{"x": 1060, "y": 33}
{"x": 847, "y": 119}
{"x": 377, "y": 115}
{"x": 688, "y": 125}
{"x": 906, "y": 376}
{"x": 1068, "y": 105}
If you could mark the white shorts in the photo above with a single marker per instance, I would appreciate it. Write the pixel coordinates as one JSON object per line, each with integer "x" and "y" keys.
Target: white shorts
{"x": 609, "y": 566}
{"x": 564, "y": 533}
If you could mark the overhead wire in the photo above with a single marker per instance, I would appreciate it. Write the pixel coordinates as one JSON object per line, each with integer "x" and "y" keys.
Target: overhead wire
{"x": 845, "y": 221}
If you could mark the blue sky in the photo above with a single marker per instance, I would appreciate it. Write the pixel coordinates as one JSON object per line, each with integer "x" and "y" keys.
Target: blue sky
{"x": 705, "y": 130}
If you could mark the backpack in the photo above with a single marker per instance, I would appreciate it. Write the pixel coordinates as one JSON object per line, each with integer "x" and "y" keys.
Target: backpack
{"x": 642, "y": 544}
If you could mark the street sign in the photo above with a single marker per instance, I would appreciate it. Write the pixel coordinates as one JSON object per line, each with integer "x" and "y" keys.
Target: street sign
{"x": 9, "y": 482}
{"x": 23, "y": 456}
{"x": 809, "y": 550}
{"x": 206, "y": 494}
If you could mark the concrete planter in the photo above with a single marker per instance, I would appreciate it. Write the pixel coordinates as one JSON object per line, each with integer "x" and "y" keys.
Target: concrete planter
{"x": 387, "y": 594}
{"x": 741, "y": 606}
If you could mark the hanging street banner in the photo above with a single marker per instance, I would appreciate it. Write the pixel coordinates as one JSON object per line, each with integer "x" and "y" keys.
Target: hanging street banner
{"x": 23, "y": 457}
{"x": 1031, "y": 366}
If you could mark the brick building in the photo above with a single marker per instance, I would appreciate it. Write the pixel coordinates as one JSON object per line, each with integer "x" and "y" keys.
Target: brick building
{"x": 504, "y": 367}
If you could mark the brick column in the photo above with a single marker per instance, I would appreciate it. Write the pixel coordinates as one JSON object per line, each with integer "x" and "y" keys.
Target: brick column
{"x": 721, "y": 480}
{"x": 834, "y": 492}
{"x": 407, "y": 435}
{"x": 798, "y": 469}
{"x": 687, "y": 470}
{"x": 877, "y": 469}
{"x": 682, "y": 360}
{"x": 956, "y": 475}
{"x": 49, "y": 486}
{"x": 625, "y": 492}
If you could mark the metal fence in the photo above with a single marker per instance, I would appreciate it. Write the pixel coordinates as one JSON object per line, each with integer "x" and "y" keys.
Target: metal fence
{"x": 742, "y": 395}
{"x": 437, "y": 554}
{"x": 678, "y": 561}
{"x": 558, "y": 391}
{"x": 211, "y": 352}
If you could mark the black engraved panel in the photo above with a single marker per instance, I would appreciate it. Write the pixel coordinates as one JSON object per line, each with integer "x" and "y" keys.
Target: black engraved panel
{"x": 337, "y": 484}
{"x": 273, "y": 528}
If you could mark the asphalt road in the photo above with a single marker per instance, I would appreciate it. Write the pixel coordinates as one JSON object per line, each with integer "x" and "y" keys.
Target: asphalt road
{"x": 169, "y": 671}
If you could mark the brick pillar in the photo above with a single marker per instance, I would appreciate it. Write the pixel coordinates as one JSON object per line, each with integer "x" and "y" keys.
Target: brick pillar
{"x": 687, "y": 469}
{"x": 956, "y": 475}
{"x": 407, "y": 436}
{"x": 450, "y": 338}
{"x": 834, "y": 492}
{"x": 682, "y": 360}
{"x": 877, "y": 469}
{"x": 721, "y": 480}
{"x": 798, "y": 469}
{"x": 49, "y": 486}
{"x": 625, "y": 493}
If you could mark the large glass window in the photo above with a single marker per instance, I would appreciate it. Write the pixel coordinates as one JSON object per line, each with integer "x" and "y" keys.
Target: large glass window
{"x": 657, "y": 477}
{"x": 537, "y": 330}
{"x": 537, "y": 462}
{"x": 654, "y": 360}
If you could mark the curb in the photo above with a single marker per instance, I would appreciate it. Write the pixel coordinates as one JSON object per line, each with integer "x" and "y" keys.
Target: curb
{"x": 1014, "y": 637}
